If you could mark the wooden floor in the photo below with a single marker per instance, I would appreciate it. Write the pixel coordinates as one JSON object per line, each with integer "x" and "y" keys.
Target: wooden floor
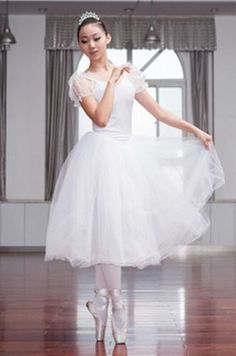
{"x": 187, "y": 306}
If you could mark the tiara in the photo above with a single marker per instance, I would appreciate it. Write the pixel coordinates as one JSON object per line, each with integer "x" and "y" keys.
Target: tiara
{"x": 88, "y": 15}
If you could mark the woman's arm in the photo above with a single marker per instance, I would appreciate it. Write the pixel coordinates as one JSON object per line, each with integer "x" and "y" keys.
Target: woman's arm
{"x": 146, "y": 100}
{"x": 100, "y": 112}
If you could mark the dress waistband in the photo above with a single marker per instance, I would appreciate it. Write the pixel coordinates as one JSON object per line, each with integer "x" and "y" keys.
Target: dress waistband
{"x": 122, "y": 136}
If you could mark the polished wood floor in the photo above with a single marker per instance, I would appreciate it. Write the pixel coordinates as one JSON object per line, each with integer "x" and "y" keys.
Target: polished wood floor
{"x": 186, "y": 306}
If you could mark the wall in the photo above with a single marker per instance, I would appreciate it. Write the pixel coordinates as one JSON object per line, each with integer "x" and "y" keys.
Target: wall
{"x": 23, "y": 224}
{"x": 225, "y": 103}
{"x": 26, "y": 109}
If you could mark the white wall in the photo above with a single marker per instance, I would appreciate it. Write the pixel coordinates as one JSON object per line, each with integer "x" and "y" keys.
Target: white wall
{"x": 225, "y": 102}
{"x": 26, "y": 109}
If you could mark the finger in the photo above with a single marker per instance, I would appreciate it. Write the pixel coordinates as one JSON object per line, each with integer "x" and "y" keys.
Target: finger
{"x": 125, "y": 68}
{"x": 207, "y": 142}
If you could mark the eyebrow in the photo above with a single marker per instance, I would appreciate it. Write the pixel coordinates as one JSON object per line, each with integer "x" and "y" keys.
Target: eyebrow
{"x": 94, "y": 34}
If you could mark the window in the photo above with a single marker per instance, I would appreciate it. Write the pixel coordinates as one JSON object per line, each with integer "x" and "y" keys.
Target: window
{"x": 166, "y": 83}
{"x": 165, "y": 77}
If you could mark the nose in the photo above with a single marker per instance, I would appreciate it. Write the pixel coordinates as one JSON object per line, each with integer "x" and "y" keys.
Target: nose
{"x": 91, "y": 44}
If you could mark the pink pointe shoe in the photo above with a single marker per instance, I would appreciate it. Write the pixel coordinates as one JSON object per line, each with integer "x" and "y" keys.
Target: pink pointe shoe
{"x": 119, "y": 317}
{"x": 98, "y": 308}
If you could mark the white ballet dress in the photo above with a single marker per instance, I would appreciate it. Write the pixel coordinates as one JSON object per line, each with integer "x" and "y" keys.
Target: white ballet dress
{"x": 124, "y": 199}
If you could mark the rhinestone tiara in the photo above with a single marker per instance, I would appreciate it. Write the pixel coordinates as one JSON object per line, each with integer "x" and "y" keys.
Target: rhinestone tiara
{"x": 88, "y": 15}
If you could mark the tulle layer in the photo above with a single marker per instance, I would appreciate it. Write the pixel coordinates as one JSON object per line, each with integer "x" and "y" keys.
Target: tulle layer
{"x": 130, "y": 200}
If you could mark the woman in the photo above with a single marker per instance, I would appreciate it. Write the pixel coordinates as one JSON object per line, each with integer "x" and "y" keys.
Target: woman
{"x": 123, "y": 200}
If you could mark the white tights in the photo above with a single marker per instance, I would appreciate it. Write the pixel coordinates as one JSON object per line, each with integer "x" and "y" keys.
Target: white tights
{"x": 108, "y": 276}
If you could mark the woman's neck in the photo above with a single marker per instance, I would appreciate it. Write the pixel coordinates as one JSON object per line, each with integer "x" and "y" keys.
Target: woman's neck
{"x": 104, "y": 66}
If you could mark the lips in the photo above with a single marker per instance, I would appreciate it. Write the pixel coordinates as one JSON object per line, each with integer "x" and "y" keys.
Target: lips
{"x": 94, "y": 52}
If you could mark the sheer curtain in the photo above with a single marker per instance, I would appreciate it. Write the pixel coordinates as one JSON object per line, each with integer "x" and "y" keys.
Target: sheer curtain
{"x": 61, "y": 118}
{"x": 3, "y": 80}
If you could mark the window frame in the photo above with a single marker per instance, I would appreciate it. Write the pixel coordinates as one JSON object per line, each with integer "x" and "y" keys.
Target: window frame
{"x": 169, "y": 83}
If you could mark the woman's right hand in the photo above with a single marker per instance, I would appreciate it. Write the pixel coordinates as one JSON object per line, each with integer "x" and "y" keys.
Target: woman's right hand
{"x": 204, "y": 137}
{"x": 117, "y": 72}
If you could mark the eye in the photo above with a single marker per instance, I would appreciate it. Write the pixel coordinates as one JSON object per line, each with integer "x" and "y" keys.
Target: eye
{"x": 83, "y": 41}
{"x": 97, "y": 39}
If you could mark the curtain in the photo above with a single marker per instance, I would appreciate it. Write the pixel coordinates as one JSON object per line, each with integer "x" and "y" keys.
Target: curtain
{"x": 61, "y": 118}
{"x": 178, "y": 33}
{"x": 3, "y": 80}
{"x": 3, "y": 103}
{"x": 200, "y": 88}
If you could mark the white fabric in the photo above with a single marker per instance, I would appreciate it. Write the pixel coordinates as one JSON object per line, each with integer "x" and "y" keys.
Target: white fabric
{"x": 129, "y": 200}
{"x": 108, "y": 276}
{"x": 79, "y": 86}
{"x": 137, "y": 78}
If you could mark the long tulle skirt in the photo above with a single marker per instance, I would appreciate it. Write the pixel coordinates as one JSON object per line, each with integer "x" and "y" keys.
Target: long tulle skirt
{"x": 130, "y": 201}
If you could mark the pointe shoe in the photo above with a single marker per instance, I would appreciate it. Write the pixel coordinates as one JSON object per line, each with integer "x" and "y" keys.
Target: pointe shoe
{"x": 98, "y": 308}
{"x": 119, "y": 317}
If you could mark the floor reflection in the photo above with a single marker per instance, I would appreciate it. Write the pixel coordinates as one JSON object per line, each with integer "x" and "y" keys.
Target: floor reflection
{"x": 118, "y": 350}
{"x": 185, "y": 306}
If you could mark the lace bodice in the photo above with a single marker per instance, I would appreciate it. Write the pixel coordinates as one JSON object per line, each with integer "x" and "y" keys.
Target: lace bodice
{"x": 83, "y": 84}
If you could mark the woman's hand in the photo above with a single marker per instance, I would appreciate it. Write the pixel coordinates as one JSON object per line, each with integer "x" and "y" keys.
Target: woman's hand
{"x": 117, "y": 73}
{"x": 204, "y": 137}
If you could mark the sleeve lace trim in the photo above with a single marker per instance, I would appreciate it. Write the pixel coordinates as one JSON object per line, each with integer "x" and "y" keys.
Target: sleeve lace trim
{"x": 79, "y": 87}
{"x": 138, "y": 79}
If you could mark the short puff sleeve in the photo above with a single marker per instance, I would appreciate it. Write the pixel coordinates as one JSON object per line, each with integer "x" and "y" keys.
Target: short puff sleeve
{"x": 79, "y": 87}
{"x": 138, "y": 79}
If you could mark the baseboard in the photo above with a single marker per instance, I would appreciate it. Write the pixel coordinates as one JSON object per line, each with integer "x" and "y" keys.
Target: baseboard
{"x": 22, "y": 249}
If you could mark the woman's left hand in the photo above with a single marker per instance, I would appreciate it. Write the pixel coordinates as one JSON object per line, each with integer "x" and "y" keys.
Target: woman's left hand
{"x": 204, "y": 137}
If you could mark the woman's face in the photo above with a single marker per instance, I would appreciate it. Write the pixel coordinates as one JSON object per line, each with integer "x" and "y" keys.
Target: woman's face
{"x": 93, "y": 41}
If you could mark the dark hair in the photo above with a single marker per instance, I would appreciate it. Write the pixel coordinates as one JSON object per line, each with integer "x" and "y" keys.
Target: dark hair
{"x": 92, "y": 20}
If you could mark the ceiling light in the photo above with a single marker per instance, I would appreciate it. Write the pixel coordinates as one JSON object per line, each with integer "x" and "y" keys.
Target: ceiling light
{"x": 152, "y": 39}
{"x": 6, "y": 37}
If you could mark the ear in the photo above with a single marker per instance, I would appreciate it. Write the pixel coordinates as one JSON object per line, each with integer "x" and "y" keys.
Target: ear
{"x": 108, "y": 38}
